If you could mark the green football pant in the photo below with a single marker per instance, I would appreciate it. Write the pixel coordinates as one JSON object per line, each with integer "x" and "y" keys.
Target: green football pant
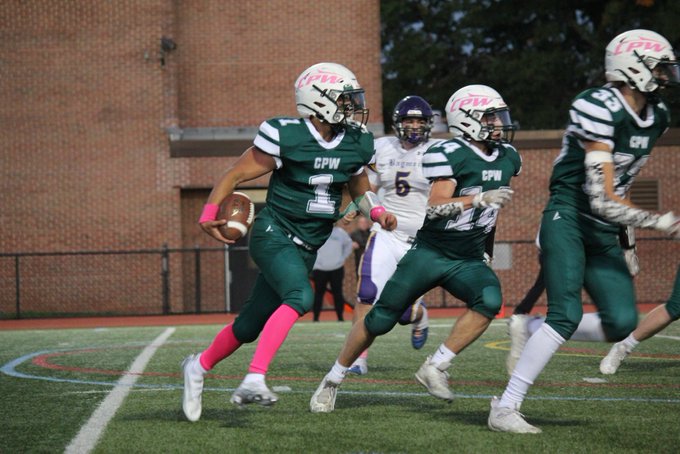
{"x": 582, "y": 253}
{"x": 283, "y": 279}
{"x": 423, "y": 269}
{"x": 673, "y": 303}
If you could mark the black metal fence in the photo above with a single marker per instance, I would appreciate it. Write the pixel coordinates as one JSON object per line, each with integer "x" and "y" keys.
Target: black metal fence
{"x": 133, "y": 282}
{"x": 219, "y": 279}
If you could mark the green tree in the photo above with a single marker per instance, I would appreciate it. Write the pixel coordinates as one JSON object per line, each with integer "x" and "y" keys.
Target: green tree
{"x": 538, "y": 54}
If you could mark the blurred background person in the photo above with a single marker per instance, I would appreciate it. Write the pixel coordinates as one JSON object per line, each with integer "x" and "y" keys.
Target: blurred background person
{"x": 359, "y": 237}
{"x": 329, "y": 267}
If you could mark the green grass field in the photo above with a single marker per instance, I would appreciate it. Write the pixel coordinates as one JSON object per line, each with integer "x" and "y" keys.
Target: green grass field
{"x": 54, "y": 380}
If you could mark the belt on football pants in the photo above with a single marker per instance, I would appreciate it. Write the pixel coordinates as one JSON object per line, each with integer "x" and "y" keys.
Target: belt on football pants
{"x": 298, "y": 241}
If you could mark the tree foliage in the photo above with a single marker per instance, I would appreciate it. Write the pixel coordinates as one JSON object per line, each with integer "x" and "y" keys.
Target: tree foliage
{"x": 538, "y": 54}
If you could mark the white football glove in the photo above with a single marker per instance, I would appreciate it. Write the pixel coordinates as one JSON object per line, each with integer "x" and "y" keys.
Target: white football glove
{"x": 632, "y": 261}
{"x": 447, "y": 210}
{"x": 668, "y": 223}
{"x": 495, "y": 198}
{"x": 488, "y": 260}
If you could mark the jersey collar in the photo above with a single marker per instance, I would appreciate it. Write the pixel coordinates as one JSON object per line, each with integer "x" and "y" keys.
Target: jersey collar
{"x": 327, "y": 145}
{"x": 487, "y": 157}
{"x": 649, "y": 121}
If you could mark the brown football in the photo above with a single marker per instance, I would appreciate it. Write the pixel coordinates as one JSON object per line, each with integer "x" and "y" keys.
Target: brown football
{"x": 239, "y": 212}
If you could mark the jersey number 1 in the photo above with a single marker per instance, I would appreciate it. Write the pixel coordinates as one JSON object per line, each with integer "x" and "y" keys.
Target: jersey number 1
{"x": 322, "y": 202}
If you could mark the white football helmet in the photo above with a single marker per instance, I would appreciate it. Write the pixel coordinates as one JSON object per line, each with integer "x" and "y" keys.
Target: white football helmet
{"x": 331, "y": 93}
{"x": 466, "y": 109}
{"x": 643, "y": 59}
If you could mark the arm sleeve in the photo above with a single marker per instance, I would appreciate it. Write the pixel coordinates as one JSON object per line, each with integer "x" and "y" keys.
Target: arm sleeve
{"x": 610, "y": 209}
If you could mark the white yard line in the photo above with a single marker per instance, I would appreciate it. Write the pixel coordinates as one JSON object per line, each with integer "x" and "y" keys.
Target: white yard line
{"x": 89, "y": 434}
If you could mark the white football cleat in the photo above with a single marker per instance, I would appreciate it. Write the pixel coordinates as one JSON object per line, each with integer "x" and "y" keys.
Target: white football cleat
{"x": 436, "y": 380}
{"x": 518, "y": 331}
{"x": 503, "y": 419}
{"x": 253, "y": 393}
{"x": 193, "y": 389}
{"x": 359, "y": 367}
{"x": 610, "y": 363}
{"x": 323, "y": 399}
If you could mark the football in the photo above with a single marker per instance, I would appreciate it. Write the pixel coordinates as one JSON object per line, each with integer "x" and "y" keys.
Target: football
{"x": 239, "y": 212}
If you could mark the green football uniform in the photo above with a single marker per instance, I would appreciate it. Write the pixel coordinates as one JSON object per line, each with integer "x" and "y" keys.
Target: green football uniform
{"x": 464, "y": 236}
{"x": 673, "y": 303}
{"x": 305, "y": 191}
{"x": 601, "y": 115}
{"x": 580, "y": 249}
{"x": 303, "y": 200}
{"x": 448, "y": 252}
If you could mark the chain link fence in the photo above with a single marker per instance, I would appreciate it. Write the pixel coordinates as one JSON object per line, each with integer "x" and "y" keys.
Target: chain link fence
{"x": 217, "y": 279}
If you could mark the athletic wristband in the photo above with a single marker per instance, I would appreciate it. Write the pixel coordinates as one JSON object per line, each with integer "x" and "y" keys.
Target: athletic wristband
{"x": 351, "y": 207}
{"x": 209, "y": 213}
{"x": 376, "y": 212}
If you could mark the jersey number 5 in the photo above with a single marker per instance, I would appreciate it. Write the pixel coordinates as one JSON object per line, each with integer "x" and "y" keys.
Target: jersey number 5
{"x": 401, "y": 184}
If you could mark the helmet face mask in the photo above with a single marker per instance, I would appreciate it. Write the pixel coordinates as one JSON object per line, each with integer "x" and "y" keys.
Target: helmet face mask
{"x": 666, "y": 73}
{"x": 351, "y": 107}
{"x": 643, "y": 59}
{"x": 478, "y": 112}
{"x": 331, "y": 93}
{"x": 412, "y": 120}
{"x": 497, "y": 126}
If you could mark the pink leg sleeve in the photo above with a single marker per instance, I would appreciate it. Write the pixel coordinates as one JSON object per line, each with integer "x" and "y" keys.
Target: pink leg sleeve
{"x": 274, "y": 333}
{"x": 224, "y": 344}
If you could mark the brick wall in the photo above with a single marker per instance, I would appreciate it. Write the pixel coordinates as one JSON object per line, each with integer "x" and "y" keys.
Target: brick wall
{"x": 88, "y": 97}
{"x": 85, "y": 162}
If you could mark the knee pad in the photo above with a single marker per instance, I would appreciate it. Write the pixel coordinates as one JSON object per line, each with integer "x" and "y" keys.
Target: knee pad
{"x": 620, "y": 326}
{"x": 564, "y": 322}
{"x": 380, "y": 320}
{"x": 301, "y": 300}
{"x": 489, "y": 302}
{"x": 246, "y": 331}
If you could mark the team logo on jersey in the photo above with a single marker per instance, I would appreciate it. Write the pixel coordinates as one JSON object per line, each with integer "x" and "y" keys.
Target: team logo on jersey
{"x": 639, "y": 142}
{"x": 492, "y": 175}
{"x": 641, "y": 43}
{"x": 326, "y": 163}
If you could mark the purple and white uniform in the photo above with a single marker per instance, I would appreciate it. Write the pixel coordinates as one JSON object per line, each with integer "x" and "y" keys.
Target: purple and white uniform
{"x": 398, "y": 177}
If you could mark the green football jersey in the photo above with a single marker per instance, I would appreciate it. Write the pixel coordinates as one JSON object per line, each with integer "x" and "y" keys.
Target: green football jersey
{"x": 602, "y": 115}
{"x": 464, "y": 235}
{"x": 305, "y": 190}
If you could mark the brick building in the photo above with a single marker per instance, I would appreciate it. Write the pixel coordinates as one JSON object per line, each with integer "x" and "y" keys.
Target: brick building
{"x": 118, "y": 116}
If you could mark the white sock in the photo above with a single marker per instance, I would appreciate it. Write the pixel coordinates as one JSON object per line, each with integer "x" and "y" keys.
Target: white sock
{"x": 196, "y": 366}
{"x": 534, "y": 324}
{"x": 253, "y": 378}
{"x": 590, "y": 329}
{"x": 630, "y": 342}
{"x": 442, "y": 356}
{"x": 337, "y": 373}
{"x": 539, "y": 349}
